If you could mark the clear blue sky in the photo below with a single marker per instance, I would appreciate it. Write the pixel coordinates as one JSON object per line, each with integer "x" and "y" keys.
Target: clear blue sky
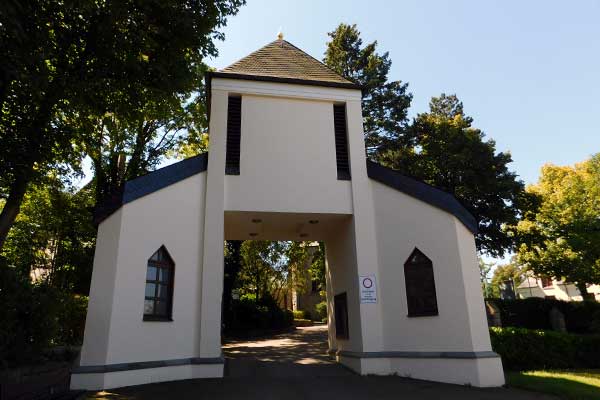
{"x": 528, "y": 72}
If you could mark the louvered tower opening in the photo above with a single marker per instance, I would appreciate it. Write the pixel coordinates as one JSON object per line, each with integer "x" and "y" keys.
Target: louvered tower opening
{"x": 341, "y": 141}
{"x": 234, "y": 124}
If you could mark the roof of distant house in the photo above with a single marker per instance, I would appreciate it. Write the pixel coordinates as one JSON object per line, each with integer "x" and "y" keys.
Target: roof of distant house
{"x": 530, "y": 282}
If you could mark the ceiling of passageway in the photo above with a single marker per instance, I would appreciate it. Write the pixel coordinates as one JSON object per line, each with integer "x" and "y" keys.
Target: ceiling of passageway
{"x": 247, "y": 225}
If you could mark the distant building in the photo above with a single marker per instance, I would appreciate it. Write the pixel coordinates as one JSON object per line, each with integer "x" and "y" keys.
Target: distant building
{"x": 553, "y": 289}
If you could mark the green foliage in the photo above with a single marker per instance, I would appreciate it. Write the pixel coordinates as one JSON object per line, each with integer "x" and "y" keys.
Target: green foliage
{"x": 525, "y": 349}
{"x": 317, "y": 268}
{"x": 508, "y": 272}
{"x": 53, "y": 237}
{"x": 71, "y": 67}
{"x": 440, "y": 147}
{"x": 71, "y": 319}
{"x": 35, "y": 318}
{"x": 321, "y": 311}
{"x": 275, "y": 268}
{"x": 484, "y": 272}
{"x": 384, "y": 103}
{"x": 559, "y": 233}
{"x": 534, "y": 313}
{"x": 302, "y": 314}
{"x": 262, "y": 268}
{"x": 570, "y": 384}
{"x": 446, "y": 151}
{"x": 249, "y": 314}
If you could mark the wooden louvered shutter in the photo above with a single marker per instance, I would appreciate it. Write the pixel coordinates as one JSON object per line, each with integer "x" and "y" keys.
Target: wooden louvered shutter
{"x": 341, "y": 141}
{"x": 234, "y": 123}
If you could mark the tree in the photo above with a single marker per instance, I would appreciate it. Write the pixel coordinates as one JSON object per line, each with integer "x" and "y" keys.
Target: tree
{"x": 63, "y": 61}
{"x": 511, "y": 272}
{"x": 124, "y": 147}
{"x": 261, "y": 266}
{"x": 271, "y": 268}
{"x": 53, "y": 237}
{"x": 446, "y": 151}
{"x": 559, "y": 233}
{"x": 232, "y": 266}
{"x": 484, "y": 275}
{"x": 384, "y": 103}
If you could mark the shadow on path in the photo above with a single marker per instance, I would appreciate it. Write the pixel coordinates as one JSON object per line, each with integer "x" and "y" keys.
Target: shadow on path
{"x": 302, "y": 353}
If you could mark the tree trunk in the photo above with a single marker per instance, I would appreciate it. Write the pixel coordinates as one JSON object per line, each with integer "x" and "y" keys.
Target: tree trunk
{"x": 12, "y": 207}
{"x": 585, "y": 295}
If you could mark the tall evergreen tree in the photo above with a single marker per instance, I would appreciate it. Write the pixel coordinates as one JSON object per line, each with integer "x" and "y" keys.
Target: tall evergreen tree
{"x": 384, "y": 103}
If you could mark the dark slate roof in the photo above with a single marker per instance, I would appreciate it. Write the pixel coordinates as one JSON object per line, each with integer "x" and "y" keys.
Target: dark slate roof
{"x": 151, "y": 182}
{"x": 281, "y": 61}
{"x": 161, "y": 178}
{"x": 422, "y": 191}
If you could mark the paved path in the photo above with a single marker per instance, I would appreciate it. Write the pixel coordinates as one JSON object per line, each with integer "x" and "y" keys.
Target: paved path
{"x": 296, "y": 366}
{"x": 297, "y": 354}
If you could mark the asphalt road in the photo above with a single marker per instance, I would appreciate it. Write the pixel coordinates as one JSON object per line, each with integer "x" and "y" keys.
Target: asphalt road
{"x": 296, "y": 366}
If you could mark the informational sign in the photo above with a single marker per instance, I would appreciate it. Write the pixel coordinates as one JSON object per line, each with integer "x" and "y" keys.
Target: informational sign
{"x": 368, "y": 289}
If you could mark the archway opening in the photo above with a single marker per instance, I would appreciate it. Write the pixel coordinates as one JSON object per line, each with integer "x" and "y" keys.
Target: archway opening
{"x": 277, "y": 298}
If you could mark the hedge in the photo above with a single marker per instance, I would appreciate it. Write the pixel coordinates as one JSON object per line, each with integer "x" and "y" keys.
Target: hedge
{"x": 527, "y": 349}
{"x": 321, "y": 311}
{"x": 249, "y": 314}
{"x": 35, "y": 318}
{"x": 534, "y": 313}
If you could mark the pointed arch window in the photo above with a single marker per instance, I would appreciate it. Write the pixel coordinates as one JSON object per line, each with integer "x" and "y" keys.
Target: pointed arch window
{"x": 420, "y": 285}
{"x": 158, "y": 300}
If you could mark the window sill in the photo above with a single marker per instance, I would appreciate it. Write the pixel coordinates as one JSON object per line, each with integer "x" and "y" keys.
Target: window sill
{"x": 431, "y": 314}
{"x": 151, "y": 318}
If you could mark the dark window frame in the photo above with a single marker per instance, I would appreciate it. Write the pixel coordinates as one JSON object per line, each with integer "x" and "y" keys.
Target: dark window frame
{"x": 342, "y": 152}
{"x": 340, "y": 310}
{"x": 419, "y": 278}
{"x": 163, "y": 263}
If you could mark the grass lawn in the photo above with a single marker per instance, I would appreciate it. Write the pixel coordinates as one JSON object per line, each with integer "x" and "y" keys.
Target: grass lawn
{"x": 571, "y": 384}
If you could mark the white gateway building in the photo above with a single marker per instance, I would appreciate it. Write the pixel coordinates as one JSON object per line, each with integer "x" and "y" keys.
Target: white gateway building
{"x": 286, "y": 162}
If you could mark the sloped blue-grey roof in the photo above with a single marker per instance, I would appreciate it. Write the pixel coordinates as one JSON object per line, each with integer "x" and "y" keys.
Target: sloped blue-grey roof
{"x": 161, "y": 178}
{"x": 422, "y": 191}
{"x": 151, "y": 182}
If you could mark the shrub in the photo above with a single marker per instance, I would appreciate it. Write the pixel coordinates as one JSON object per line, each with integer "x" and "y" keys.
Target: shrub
{"x": 534, "y": 313}
{"x": 321, "y": 311}
{"x": 302, "y": 314}
{"x": 35, "y": 317}
{"x": 525, "y": 349}
{"x": 248, "y": 314}
{"x": 298, "y": 314}
{"x": 28, "y": 316}
{"x": 71, "y": 319}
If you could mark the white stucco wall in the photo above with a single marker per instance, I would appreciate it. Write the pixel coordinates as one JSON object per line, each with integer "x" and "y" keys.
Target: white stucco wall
{"x": 287, "y": 161}
{"x": 168, "y": 217}
{"x": 97, "y": 322}
{"x": 404, "y": 223}
{"x": 342, "y": 277}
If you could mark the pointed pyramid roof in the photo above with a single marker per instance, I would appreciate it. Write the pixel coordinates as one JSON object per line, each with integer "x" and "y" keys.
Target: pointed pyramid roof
{"x": 281, "y": 61}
